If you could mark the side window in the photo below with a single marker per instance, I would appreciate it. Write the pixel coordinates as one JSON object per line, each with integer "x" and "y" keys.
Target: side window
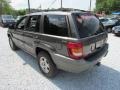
{"x": 55, "y": 25}
{"x": 33, "y": 24}
{"x": 21, "y": 23}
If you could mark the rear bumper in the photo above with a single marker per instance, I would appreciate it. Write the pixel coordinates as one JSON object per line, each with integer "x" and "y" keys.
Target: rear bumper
{"x": 77, "y": 66}
{"x": 116, "y": 32}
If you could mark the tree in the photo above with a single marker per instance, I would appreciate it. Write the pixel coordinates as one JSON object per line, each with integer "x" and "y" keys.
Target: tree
{"x": 107, "y": 5}
{"x": 5, "y": 7}
{"x": 20, "y": 12}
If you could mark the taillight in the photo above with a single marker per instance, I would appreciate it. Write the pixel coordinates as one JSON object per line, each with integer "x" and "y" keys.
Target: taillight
{"x": 75, "y": 50}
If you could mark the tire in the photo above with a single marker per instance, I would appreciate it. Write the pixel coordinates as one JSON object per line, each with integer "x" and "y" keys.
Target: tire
{"x": 113, "y": 31}
{"x": 46, "y": 65}
{"x": 117, "y": 34}
{"x": 98, "y": 64}
{"x": 3, "y": 25}
{"x": 12, "y": 45}
{"x": 109, "y": 30}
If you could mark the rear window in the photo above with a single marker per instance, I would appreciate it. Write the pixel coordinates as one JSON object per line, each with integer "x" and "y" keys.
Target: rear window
{"x": 103, "y": 20}
{"x": 7, "y": 17}
{"x": 88, "y": 25}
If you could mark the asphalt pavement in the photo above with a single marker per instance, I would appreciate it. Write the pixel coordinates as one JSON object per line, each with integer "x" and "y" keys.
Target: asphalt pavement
{"x": 20, "y": 71}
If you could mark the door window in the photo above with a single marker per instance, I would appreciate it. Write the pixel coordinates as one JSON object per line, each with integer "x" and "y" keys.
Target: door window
{"x": 33, "y": 24}
{"x": 21, "y": 23}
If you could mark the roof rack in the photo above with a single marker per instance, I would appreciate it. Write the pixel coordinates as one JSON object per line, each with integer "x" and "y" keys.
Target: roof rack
{"x": 64, "y": 10}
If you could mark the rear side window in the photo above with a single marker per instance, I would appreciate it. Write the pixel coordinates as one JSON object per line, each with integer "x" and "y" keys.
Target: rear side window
{"x": 55, "y": 25}
{"x": 88, "y": 25}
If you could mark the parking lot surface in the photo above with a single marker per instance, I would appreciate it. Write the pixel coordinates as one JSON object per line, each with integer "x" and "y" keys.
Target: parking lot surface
{"x": 20, "y": 71}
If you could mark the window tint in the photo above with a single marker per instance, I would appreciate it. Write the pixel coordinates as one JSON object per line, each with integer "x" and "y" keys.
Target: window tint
{"x": 33, "y": 24}
{"x": 7, "y": 17}
{"x": 21, "y": 23}
{"x": 103, "y": 20}
{"x": 55, "y": 25}
{"x": 88, "y": 25}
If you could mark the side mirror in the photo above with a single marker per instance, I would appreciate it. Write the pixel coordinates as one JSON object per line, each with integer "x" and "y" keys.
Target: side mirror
{"x": 12, "y": 26}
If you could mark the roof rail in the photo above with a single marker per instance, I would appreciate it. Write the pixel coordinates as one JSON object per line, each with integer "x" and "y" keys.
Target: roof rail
{"x": 64, "y": 10}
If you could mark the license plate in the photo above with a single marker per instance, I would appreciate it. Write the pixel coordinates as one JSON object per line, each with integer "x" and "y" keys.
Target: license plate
{"x": 99, "y": 43}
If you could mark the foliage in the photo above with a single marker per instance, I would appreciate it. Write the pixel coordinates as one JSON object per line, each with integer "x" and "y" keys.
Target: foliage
{"x": 107, "y": 5}
{"x": 5, "y": 8}
{"x": 20, "y": 12}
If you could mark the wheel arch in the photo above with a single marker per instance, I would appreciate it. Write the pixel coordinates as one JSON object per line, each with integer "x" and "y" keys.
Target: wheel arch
{"x": 38, "y": 50}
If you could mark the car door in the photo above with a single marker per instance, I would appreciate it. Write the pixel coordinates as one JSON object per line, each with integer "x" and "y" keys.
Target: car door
{"x": 31, "y": 28}
{"x": 55, "y": 29}
{"x": 18, "y": 32}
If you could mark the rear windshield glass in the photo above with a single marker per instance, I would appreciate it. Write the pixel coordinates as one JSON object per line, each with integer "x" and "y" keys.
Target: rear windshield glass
{"x": 87, "y": 24}
{"x": 8, "y": 17}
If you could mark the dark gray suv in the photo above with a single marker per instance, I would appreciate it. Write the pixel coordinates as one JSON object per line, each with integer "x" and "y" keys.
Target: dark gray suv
{"x": 72, "y": 41}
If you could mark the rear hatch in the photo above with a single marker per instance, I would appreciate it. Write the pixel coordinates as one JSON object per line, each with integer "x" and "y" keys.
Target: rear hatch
{"x": 91, "y": 33}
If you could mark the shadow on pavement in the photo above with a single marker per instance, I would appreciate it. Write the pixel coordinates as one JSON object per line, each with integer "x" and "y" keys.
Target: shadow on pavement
{"x": 30, "y": 60}
{"x": 99, "y": 78}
